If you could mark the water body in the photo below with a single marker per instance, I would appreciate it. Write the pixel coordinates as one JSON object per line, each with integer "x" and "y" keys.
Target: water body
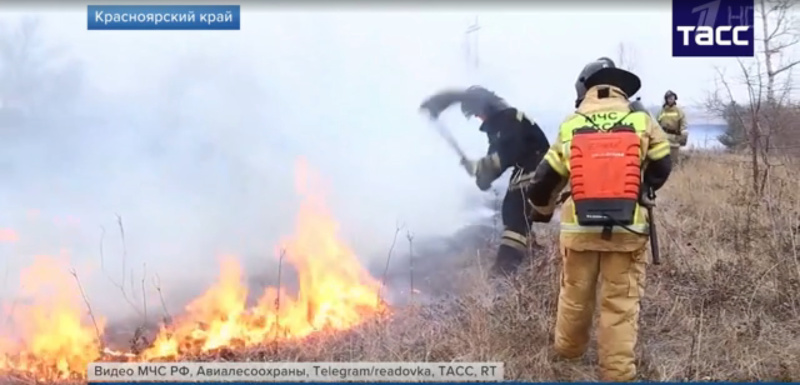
{"x": 705, "y": 135}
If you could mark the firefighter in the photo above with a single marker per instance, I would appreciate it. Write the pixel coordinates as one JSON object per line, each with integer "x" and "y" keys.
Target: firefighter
{"x": 605, "y": 151}
{"x": 516, "y": 142}
{"x": 673, "y": 121}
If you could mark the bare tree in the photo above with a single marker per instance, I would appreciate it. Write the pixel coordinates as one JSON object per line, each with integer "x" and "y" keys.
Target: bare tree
{"x": 743, "y": 117}
{"x": 40, "y": 93}
{"x": 761, "y": 120}
{"x": 778, "y": 34}
{"x": 35, "y": 79}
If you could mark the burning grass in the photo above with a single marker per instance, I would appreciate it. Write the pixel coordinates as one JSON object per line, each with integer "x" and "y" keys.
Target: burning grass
{"x": 723, "y": 305}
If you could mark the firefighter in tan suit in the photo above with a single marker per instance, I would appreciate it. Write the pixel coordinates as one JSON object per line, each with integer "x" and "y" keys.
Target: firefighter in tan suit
{"x": 673, "y": 121}
{"x": 609, "y": 154}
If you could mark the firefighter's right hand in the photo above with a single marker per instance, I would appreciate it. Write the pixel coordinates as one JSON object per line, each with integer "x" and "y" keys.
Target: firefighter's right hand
{"x": 683, "y": 138}
{"x": 563, "y": 197}
{"x": 644, "y": 198}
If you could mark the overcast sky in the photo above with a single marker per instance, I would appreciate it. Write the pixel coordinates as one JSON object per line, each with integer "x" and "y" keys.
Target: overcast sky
{"x": 529, "y": 54}
{"x": 338, "y": 87}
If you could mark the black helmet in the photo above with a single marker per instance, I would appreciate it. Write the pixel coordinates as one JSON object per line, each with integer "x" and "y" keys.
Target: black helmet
{"x": 479, "y": 101}
{"x": 604, "y": 71}
{"x": 670, "y": 93}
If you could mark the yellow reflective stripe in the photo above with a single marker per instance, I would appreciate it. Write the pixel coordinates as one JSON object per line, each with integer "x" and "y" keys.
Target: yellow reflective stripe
{"x": 638, "y": 120}
{"x": 513, "y": 244}
{"x": 658, "y": 151}
{"x": 566, "y": 149}
{"x": 574, "y": 228}
{"x": 508, "y": 234}
{"x": 554, "y": 160}
{"x": 669, "y": 117}
{"x": 515, "y": 240}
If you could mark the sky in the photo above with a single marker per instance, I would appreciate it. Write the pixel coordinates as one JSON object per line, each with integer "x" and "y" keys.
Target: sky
{"x": 192, "y": 137}
{"x": 519, "y": 48}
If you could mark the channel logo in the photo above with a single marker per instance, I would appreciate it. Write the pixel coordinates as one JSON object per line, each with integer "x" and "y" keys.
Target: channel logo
{"x": 719, "y": 28}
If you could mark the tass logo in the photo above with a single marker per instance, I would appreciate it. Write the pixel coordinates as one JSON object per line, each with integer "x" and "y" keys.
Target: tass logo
{"x": 715, "y": 28}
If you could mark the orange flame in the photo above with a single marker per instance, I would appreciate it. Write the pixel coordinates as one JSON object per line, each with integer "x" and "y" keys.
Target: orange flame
{"x": 334, "y": 293}
{"x": 56, "y": 339}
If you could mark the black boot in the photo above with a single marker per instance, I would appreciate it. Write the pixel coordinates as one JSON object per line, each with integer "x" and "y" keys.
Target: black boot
{"x": 507, "y": 262}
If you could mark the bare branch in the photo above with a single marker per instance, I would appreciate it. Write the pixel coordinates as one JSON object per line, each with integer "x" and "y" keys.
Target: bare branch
{"x": 785, "y": 68}
{"x": 278, "y": 296}
{"x": 124, "y": 248}
{"x": 157, "y": 285}
{"x": 144, "y": 293}
{"x": 410, "y": 238}
{"x": 88, "y": 307}
{"x": 397, "y": 229}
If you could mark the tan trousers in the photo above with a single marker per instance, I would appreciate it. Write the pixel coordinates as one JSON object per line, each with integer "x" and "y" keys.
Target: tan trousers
{"x": 621, "y": 276}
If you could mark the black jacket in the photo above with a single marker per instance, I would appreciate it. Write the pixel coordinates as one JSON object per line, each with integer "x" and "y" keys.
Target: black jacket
{"x": 517, "y": 140}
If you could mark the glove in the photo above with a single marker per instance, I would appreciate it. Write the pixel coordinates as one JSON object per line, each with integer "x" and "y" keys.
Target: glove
{"x": 644, "y": 197}
{"x": 683, "y": 138}
{"x": 486, "y": 171}
{"x": 469, "y": 166}
{"x": 563, "y": 197}
{"x": 483, "y": 183}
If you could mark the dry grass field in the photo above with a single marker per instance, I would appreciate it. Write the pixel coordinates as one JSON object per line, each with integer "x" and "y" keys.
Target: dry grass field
{"x": 724, "y": 304}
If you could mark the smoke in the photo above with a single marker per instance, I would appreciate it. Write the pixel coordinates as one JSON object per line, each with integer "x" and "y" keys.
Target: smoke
{"x": 143, "y": 156}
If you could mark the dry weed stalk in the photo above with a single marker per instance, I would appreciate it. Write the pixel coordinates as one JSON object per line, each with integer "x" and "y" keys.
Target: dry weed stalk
{"x": 397, "y": 229}
{"x": 88, "y": 308}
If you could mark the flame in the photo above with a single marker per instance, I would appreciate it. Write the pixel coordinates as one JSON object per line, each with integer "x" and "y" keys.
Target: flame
{"x": 334, "y": 293}
{"x": 56, "y": 341}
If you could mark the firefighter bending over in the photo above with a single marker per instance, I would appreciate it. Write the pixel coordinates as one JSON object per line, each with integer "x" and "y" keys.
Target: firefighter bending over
{"x": 601, "y": 151}
{"x": 673, "y": 121}
{"x": 514, "y": 142}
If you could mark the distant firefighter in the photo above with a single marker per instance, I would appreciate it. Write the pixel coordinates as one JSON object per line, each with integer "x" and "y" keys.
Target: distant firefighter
{"x": 673, "y": 121}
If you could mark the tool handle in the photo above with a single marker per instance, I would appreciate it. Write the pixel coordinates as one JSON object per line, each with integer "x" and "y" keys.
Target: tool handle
{"x": 654, "y": 250}
{"x": 654, "y": 239}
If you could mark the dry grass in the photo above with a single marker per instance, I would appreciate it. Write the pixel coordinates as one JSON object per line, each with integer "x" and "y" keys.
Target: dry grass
{"x": 724, "y": 305}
